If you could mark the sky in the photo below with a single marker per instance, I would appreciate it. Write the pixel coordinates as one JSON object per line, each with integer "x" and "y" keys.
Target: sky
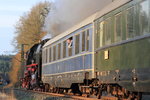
{"x": 10, "y": 12}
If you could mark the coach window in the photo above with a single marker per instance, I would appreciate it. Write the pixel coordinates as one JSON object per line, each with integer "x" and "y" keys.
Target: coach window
{"x": 83, "y": 41}
{"x": 43, "y": 56}
{"x": 59, "y": 51}
{"x": 49, "y": 54}
{"x": 88, "y": 38}
{"x": 97, "y": 36}
{"x": 77, "y": 45}
{"x": 130, "y": 23}
{"x": 44, "y": 60}
{"x": 108, "y": 26}
{"x": 70, "y": 44}
{"x": 144, "y": 17}
{"x": 46, "y": 55}
{"x": 101, "y": 31}
{"x": 54, "y": 53}
{"x": 118, "y": 27}
{"x": 64, "y": 49}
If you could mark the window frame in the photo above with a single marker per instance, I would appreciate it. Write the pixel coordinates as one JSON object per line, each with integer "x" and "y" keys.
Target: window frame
{"x": 69, "y": 48}
{"x": 88, "y": 38}
{"x": 126, "y": 19}
{"x": 58, "y": 51}
{"x": 101, "y": 36}
{"x": 108, "y": 28}
{"x": 140, "y": 25}
{"x": 64, "y": 48}
{"x": 83, "y": 40}
{"x": 46, "y": 55}
{"x": 50, "y": 58}
{"x": 115, "y": 27}
{"x": 78, "y": 34}
{"x": 43, "y": 56}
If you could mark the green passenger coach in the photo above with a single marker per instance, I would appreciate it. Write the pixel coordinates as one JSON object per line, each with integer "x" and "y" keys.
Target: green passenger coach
{"x": 122, "y": 46}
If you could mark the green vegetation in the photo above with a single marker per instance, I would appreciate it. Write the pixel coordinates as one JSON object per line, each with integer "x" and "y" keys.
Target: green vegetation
{"x": 5, "y": 63}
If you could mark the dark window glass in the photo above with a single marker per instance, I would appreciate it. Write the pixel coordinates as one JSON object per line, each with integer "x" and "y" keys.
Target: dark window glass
{"x": 70, "y": 51}
{"x": 101, "y": 31}
{"x": 108, "y": 27}
{"x": 43, "y": 57}
{"x": 77, "y": 46}
{"x": 64, "y": 49}
{"x": 144, "y": 17}
{"x": 54, "y": 53}
{"x": 97, "y": 36}
{"x": 46, "y": 53}
{"x": 49, "y": 54}
{"x": 130, "y": 23}
{"x": 89, "y": 31}
{"x": 83, "y": 41}
{"x": 59, "y": 51}
{"x": 70, "y": 45}
{"x": 118, "y": 27}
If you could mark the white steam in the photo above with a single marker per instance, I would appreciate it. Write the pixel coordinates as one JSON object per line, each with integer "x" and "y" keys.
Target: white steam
{"x": 67, "y": 13}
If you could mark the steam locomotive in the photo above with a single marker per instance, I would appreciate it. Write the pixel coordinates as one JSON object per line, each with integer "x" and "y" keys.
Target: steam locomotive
{"x": 106, "y": 53}
{"x": 33, "y": 67}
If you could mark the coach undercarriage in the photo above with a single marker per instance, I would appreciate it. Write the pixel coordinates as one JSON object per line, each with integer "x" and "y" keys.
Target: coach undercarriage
{"x": 94, "y": 88}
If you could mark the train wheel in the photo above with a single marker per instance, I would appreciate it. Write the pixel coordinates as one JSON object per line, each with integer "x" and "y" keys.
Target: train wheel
{"x": 54, "y": 89}
{"x": 99, "y": 92}
{"x": 46, "y": 87}
{"x": 57, "y": 90}
{"x": 61, "y": 90}
{"x": 139, "y": 97}
{"x": 75, "y": 89}
{"x": 66, "y": 90}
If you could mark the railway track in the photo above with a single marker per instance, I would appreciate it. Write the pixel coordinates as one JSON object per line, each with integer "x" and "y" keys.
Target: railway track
{"x": 21, "y": 94}
{"x": 71, "y": 96}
